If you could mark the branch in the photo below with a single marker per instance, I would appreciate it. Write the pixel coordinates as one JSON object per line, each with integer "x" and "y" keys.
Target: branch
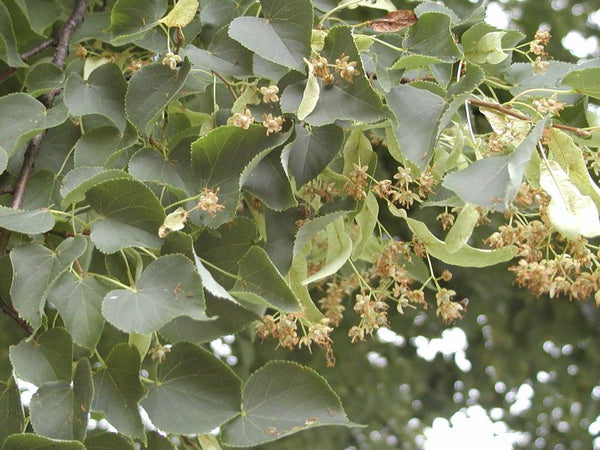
{"x": 511, "y": 112}
{"x": 60, "y": 55}
{"x": 10, "y": 312}
{"x": 26, "y": 55}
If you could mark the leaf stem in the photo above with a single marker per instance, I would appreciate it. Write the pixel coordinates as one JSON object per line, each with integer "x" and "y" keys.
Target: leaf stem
{"x": 325, "y": 16}
{"x": 111, "y": 280}
{"x": 218, "y": 269}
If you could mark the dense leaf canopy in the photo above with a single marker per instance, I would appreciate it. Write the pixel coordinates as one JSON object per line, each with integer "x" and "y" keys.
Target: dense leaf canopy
{"x": 183, "y": 180}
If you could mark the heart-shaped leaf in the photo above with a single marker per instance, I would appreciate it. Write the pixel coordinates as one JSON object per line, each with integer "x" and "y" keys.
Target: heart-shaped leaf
{"x": 280, "y": 399}
{"x": 118, "y": 390}
{"x": 282, "y": 35}
{"x": 203, "y": 390}
{"x": 168, "y": 288}
{"x": 47, "y": 358}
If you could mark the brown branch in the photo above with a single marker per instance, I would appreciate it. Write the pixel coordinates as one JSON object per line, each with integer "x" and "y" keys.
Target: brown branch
{"x": 10, "y": 312}
{"x": 511, "y": 112}
{"x": 60, "y": 55}
{"x": 227, "y": 83}
{"x": 26, "y": 55}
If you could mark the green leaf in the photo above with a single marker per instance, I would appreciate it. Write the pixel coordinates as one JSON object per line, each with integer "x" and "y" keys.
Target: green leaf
{"x": 158, "y": 442}
{"x": 103, "y": 146}
{"x": 224, "y": 158}
{"x": 226, "y": 248}
{"x": 522, "y": 77}
{"x": 585, "y": 81}
{"x": 203, "y": 390}
{"x": 11, "y": 410}
{"x": 339, "y": 249}
{"x": 28, "y": 222}
{"x": 22, "y": 117}
{"x": 223, "y": 55}
{"x": 130, "y": 215}
{"x": 46, "y": 358}
{"x": 280, "y": 229}
{"x": 79, "y": 301}
{"x": 30, "y": 288}
{"x": 466, "y": 256}
{"x": 341, "y": 100}
{"x": 566, "y": 153}
{"x": 106, "y": 440}
{"x": 494, "y": 182}
{"x": 413, "y": 62}
{"x": 462, "y": 229}
{"x": 432, "y": 36}
{"x": 168, "y": 288}
{"x": 102, "y": 93}
{"x": 418, "y": 112}
{"x": 310, "y": 96}
{"x": 44, "y": 77}
{"x": 297, "y": 274}
{"x": 131, "y": 18}
{"x": 117, "y": 390}
{"x": 282, "y": 35}
{"x": 60, "y": 410}
{"x": 149, "y": 165}
{"x": 9, "y": 52}
{"x": 312, "y": 227}
{"x": 228, "y": 318}
{"x": 29, "y": 441}
{"x": 3, "y": 160}
{"x": 282, "y": 398}
{"x": 269, "y": 182}
{"x": 570, "y": 213}
{"x": 182, "y": 13}
{"x": 77, "y": 182}
{"x": 151, "y": 89}
{"x": 488, "y": 49}
{"x": 260, "y": 277}
{"x": 366, "y": 220}
{"x": 311, "y": 151}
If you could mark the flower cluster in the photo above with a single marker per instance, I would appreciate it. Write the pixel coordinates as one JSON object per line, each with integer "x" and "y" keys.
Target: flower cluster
{"x": 406, "y": 190}
{"x": 357, "y": 181}
{"x": 284, "y": 328}
{"x": 347, "y": 70}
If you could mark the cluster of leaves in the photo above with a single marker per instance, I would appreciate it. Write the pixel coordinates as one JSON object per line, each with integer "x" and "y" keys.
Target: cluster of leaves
{"x": 160, "y": 212}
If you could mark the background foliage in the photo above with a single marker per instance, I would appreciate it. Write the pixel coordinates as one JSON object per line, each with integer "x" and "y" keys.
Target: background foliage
{"x": 144, "y": 216}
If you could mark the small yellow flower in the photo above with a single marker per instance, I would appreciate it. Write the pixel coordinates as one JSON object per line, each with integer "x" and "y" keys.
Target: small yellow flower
{"x": 171, "y": 60}
{"x": 270, "y": 94}
{"x": 209, "y": 202}
{"x": 242, "y": 120}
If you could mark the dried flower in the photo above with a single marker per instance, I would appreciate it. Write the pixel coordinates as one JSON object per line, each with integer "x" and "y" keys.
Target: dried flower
{"x": 357, "y": 181}
{"x": 447, "y": 309}
{"x": 320, "y": 68}
{"x": 272, "y": 124}
{"x": 539, "y": 67}
{"x": 347, "y": 70}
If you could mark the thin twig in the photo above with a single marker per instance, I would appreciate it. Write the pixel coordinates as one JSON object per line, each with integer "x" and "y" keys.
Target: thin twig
{"x": 511, "y": 112}
{"x": 10, "y": 312}
{"x": 60, "y": 55}
{"x": 26, "y": 55}
{"x": 227, "y": 83}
